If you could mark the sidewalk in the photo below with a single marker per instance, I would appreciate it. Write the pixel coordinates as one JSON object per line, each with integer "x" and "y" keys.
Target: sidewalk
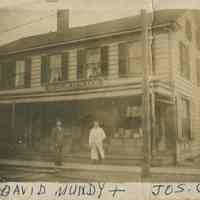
{"x": 67, "y": 166}
{"x": 88, "y": 172}
{"x": 106, "y": 172}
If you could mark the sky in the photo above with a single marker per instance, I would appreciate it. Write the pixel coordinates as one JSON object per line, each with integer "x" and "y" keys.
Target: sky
{"x": 22, "y": 18}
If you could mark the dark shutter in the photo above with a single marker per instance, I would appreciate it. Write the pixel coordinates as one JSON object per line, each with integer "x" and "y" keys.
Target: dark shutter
{"x": 123, "y": 54}
{"x": 65, "y": 66}
{"x": 44, "y": 69}
{"x": 181, "y": 57}
{"x": 104, "y": 60}
{"x": 198, "y": 71}
{"x": 27, "y": 76}
{"x": 10, "y": 74}
{"x": 188, "y": 29}
{"x": 2, "y": 78}
{"x": 187, "y": 59}
{"x": 198, "y": 38}
{"x": 81, "y": 61}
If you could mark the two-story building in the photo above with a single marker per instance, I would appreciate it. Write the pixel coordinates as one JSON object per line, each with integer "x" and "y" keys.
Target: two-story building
{"x": 95, "y": 72}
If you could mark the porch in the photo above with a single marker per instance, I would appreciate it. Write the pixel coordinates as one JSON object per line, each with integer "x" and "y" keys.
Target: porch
{"x": 121, "y": 117}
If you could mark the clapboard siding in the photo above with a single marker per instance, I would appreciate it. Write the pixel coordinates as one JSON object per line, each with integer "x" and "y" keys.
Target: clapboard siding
{"x": 35, "y": 71}
{"x": 187, "y": 88}
{"x": 113, "y": 63}
{"x": 161, "y": 57}
{"x": 183, "y": 86}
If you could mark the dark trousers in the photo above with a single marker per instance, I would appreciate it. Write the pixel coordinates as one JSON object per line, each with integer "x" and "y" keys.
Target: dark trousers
{"x": 58, "y": 155}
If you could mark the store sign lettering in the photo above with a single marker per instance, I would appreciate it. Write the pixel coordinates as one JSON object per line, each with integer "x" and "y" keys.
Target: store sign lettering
{"x": 75, "y": 84}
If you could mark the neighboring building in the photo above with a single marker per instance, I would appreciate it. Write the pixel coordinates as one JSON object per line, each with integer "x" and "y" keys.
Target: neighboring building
{"x": 95, "y": 71}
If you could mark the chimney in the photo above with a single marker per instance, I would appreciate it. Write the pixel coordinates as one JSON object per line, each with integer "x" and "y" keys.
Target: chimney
{"x": 62, "y": 20}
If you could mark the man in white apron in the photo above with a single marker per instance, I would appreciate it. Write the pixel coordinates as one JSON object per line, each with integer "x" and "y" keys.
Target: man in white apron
{"x": 96, "y": 138}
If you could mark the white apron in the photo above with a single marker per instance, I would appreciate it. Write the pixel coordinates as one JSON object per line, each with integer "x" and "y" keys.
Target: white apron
{"x": 96, "y": 137}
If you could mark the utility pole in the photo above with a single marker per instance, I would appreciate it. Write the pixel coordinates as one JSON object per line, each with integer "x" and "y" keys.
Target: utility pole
{"x": 13, "y": 121}
{"x": 146, "y": 95}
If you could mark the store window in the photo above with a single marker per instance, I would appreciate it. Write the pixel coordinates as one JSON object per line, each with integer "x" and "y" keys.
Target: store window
{"x": 20, "y": 73}
{"x": 184, "y": 61}
{"x": 198, "y": 72}
{"x": 130, "y": 120}
{"x": 130, "y": 59}
{"x": 55, "y": 68}
{"x": 188, "y": 30}
{"x": 186, "y": 121}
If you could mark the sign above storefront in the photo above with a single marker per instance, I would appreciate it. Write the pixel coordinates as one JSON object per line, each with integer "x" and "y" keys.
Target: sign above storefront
{"x": 70, "y": 85}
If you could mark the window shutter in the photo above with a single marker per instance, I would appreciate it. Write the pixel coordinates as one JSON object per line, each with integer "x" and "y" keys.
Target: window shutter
{"x": 27, "y": 77}
{"x": 44, "y": 69}
{"x": 188, "y": 30}
{"x": 181, "y": 57}
{"x": 10, "y": 74}
{"x": 5, "y": 76}
{"x": 187, "y": 59}
{"x": 123, "y": 54}
{"x": 81, "y": 56}
{"x": 65, "y": 66}
{"x": 1, "y": 76}
{"x": 198, "y": 38}
{"x": 198, "y": 71}
{"x": 104, "y": 60}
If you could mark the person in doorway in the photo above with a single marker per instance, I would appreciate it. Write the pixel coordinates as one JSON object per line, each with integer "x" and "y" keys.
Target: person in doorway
{"x": 96, "y": 138}
{"x": 58, "y": 137}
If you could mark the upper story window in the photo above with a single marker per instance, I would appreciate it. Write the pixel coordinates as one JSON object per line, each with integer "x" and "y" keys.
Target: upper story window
{"x": 54, "y": 68}
{"x": 130, "y": 59}
{"x": 188, "y": 30}
{"x": 184, "y": 61}
{"x": 186, "y": 120}
{"x": 198, "y": 71}
{"x": 20, "y": 73}
{"x": 92, "y": 62}
{"x": 93, "y": 59}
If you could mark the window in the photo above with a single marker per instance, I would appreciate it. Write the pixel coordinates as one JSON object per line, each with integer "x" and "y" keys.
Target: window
{"x": 198, "y": 71}
{"x": 130, "y": 59}
{"x": 184, "y": 61}
{"x": 92, "y": 62}
{"x": 93, "y": 67}
{"x": 55, "y": 68}
{"x": 186, "y": 128}
{"x": 188, "y": 30}
{"x": 20, "y": 73}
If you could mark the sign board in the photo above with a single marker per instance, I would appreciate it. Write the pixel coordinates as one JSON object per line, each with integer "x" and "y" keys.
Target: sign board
{"x": 75, "y": 85}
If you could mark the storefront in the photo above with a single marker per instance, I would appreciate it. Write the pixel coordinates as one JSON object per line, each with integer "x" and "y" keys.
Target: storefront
{"x": 119, "y": 116}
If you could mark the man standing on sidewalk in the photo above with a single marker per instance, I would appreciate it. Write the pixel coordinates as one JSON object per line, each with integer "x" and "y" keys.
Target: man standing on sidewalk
{"x": 58, "y": 137}
{"x": 96, "y": 138}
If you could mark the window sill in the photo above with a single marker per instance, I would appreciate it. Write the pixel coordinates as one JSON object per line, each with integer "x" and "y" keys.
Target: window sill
{"x": 130, "y": 76}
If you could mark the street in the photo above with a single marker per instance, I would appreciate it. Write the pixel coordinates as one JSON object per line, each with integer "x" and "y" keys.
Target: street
{"x": 22, "y": 175}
